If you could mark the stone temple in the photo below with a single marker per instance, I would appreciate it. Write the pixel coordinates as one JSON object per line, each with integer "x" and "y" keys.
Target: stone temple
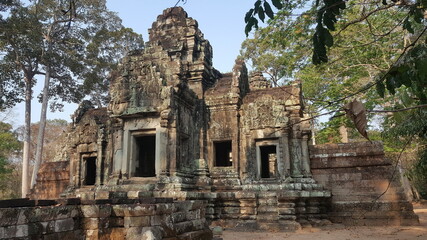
{"x": 177, "y": 131}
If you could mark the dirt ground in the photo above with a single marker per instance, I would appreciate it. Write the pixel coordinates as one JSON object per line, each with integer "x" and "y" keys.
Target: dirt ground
{"x": 337, "y": 231}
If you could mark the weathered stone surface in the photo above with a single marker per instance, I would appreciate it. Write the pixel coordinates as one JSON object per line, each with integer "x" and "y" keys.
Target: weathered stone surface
{"x": 140, "y": 221}
{"x": 101, "y": 222}
{"x": 235, "y": 148}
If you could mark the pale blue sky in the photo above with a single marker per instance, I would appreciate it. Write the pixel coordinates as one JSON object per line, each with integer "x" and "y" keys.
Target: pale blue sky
{"x": 221, "y": 21}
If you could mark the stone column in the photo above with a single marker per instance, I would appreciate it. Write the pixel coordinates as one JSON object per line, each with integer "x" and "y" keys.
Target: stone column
{"x": 296, "y": 158}
{"x": 172, "y": 150}
{"x": 162, "y": 166}
{"x": 285, "y": 157}
{"x": 99, "y": 156}
{"x": 127, "y": 144}
{"x": 306, "y": 171}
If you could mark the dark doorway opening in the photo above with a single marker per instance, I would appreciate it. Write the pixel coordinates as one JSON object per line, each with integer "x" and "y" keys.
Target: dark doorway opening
{"x": 146, "y": 158}
{"x": 268, "y": 161}
{"x": 223, "y": 154}
{"x": 90, "y": 177}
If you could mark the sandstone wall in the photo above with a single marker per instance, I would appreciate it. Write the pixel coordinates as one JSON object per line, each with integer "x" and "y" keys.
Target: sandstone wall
{"x": 366, "y": 187}
{"x": 52, "y": 179}
{"x": 152, "y": 218}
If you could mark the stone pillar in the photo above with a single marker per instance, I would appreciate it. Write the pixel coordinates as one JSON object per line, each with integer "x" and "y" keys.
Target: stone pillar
{"x": 99, "y": 157}
{"x": 306, "y": 171}
{"x": 162, "y": 151}
{"x": 127, "y": 144}
{"x": 296, "y": 158}
{"x": 172, "y": 150}
{"x": 285, "y": 156}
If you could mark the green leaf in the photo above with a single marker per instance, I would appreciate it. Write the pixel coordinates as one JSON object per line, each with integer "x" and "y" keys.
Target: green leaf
{"x": 380, "y": 89}
{"x": 390, "y": 85}
{"x": 277, "y": 3}
{"x": 319, "y": 49}
{"x": 328, "y": 39}
{"x": 257, "y": 5}
{"x": 329, "y": 22}
{"x": 249, "y": 15}
{"x": 421, "y": 67}
{"x": 406, "y": 79}
{"x": 407, "y": 26}
{"x": 261, "y": 14}
{"x": 253, "y": 22}
{"x": 268, "y": 10}
{"x": 418, "y": 15}
{"x": 406, "y": 99}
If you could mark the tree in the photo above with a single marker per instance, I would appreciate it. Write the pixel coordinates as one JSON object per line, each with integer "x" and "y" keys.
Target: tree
{"x": 362, "y": 52}
{"x": 55, "y": 39}
{"x": 9, "y": 146}
{"x": 328, "y": 13}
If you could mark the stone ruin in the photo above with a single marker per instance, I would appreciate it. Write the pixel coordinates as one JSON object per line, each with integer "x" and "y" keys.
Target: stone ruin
{"x": 181, "y": 146}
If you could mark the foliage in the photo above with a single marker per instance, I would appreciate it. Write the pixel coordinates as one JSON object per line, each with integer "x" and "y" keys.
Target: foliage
{"x": 54, "y": 133}
{"x": 328, "y": 15}
{"x": 9, "y": 145}
{"x": 367, "y": 51}
{"x": 402, "y": 128}
{"x": 359, "y": 54}
{"x": 411, "y": 73}
{"x": 280, "y": 49}
{"x": 78, "y": 46}
{"x": 261, "y": 8}
{"x": 8, "y": 141}
{"x": 417, "y": 174}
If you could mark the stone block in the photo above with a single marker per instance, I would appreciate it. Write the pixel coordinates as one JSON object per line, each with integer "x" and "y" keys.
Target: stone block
{"x": 21, "y": 231}
{"x": 178, "y": 217}
{"x": 286, "y": 211}
{"x": 90, "y": 223}
{"x": 8, "y": 216}
{"x": 90, "y": 211}
{"x": 248, "y": 210}
{"x": 62, "y": 225}
{"x": 92, "y": 234}
{"x": 245, "y": 195}
{"x": 267, "y": 209}
{"x": 113, "y": 234}
{"x": 139, "y": 210}
{"x": 165, "y": 208}
{"x": 184, "y": 227}
{"x": 102, "y": 195}
{"x": 36, "y": 229}
{"x": 116, "y": 222}
{"x": 159, "y": 220}
{"x": 231, "y": 210}
{"x": 140, "y": 221}
{"x": 24, "y": 215}
{"x": 144, "y": 233}
{"x": 118, "y": 210}
{"x": 9, "y": 232}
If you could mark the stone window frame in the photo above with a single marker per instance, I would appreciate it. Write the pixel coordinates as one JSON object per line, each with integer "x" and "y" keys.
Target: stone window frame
{"x": 233, "y": 164}
{"x": 83, "y": 157}
{"x": 131, "y": 158}
{"x": 267, "y": 142}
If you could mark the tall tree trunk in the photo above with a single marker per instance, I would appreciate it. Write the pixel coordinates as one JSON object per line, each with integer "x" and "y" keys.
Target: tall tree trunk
{"x": 42, "y": 127}
{"x": 27, "y": 137}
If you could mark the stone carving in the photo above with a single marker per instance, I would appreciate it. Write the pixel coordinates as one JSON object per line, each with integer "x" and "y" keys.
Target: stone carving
{"x": 177, "y": 128}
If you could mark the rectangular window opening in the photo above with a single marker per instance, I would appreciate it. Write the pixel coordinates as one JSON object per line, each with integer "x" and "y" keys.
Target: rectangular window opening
{"x": 268, "y": 161}
{"x": 146, "y": 156}
{"x": 90, "y": 177}
{"x": 223, "y": 154}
